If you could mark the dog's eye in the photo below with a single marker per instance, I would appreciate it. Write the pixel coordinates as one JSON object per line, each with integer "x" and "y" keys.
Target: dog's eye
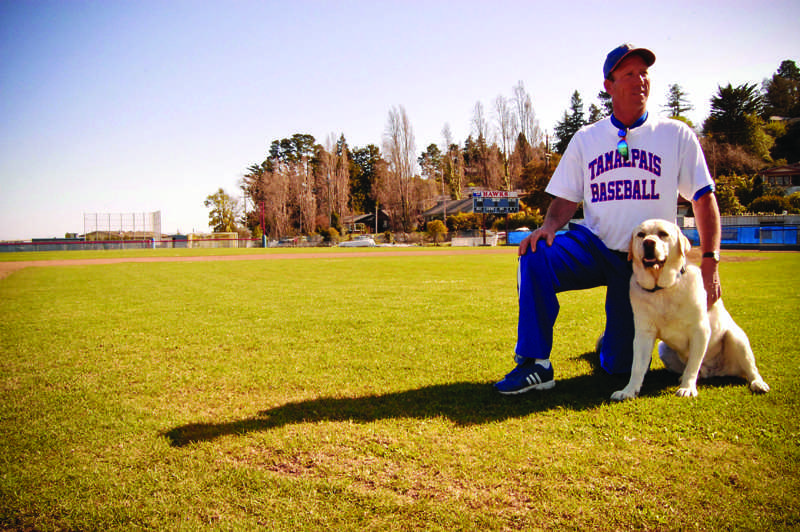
{"x": 640, "y": 234}
{"x": 663, "y": 235}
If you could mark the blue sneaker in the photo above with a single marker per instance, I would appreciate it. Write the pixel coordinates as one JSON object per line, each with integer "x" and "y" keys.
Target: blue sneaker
{"x": 528, "y": 375}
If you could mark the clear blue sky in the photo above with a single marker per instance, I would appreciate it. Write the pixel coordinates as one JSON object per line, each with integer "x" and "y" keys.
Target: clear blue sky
{"x": 137, "y": 106}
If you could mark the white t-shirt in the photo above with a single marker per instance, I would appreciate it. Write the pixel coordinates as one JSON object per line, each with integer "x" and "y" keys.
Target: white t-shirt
{"x": 664, "y": 160}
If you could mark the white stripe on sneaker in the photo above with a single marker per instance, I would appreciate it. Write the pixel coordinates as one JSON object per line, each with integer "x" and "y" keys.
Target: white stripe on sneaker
{"x": 533, "y": 379}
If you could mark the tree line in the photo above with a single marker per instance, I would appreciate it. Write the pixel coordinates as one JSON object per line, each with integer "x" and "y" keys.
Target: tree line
{"x": 306, "y": 187}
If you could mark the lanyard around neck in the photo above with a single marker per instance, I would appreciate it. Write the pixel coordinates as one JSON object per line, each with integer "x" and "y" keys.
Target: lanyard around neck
{"x": 620, "y": 125}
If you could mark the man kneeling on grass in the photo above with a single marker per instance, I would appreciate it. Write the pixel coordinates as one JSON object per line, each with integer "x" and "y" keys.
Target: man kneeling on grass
{"x": 625, "y": 169}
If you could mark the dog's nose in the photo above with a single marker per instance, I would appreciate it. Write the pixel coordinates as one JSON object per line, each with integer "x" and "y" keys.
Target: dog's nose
{"x": 649, "y": 248}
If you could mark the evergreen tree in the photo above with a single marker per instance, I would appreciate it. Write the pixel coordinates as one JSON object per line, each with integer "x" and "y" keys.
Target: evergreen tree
{"x": 471, "y": 154}
{"x": 782, "y": 92}
{"x": 572, "y": 121}
{"x": 605, "y": 103}
{"x": 595, "y": 114}
{"x": 293, "y": 149}
{"x": 677, "y": 104}
{"x": 787, "y": 146}
{"x": 363, "y": 177}
{"x": 734, "y": 115}
{"x": 430, "y": 162}
{"x": 453, "y": 171}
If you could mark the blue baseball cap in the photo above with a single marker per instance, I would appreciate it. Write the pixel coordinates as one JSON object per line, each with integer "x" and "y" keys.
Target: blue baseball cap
{"x": 615, "y": 57}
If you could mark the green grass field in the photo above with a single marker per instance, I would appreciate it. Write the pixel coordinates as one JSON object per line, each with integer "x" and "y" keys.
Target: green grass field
{"x": 355, "y": 393}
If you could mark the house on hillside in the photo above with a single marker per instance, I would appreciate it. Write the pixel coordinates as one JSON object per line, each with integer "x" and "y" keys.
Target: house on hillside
{"x": 365, "y": 223}
{"x": 785, "y": 177}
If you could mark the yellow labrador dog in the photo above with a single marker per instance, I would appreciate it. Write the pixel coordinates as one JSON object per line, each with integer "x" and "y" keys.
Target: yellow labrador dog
{"x": 669, "y": 303}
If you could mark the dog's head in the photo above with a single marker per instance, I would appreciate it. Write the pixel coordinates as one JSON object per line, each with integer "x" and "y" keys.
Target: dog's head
{"x": 658, "y": 254}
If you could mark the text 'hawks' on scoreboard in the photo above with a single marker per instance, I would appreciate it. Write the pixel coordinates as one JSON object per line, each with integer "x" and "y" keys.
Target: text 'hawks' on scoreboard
{"x": 494, "y": 202}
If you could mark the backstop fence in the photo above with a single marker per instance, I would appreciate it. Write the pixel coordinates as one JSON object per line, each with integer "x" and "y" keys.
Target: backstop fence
{"x": 122, "y": 226}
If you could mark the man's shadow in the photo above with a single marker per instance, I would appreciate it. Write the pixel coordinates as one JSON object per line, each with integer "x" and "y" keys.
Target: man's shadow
{"x": 464, "y": 403}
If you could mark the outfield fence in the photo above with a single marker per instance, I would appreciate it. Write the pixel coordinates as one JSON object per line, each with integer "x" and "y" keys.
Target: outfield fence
{"x": 472, "y": 241}
{"x": 761, "y": 237}
{"x": 752, "y": 237}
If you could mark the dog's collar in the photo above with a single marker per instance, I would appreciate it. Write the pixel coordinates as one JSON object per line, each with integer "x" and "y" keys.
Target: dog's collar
{"x": 656, "y": 288}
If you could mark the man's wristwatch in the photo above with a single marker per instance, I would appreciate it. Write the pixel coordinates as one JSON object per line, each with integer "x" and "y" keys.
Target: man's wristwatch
{"x": 711, "y": 255}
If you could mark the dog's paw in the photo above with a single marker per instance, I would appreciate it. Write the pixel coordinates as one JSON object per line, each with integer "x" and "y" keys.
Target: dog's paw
{"x": 759, "y": 386}
{"x": 687, "y": 392}
{"x": 623, "y": 395}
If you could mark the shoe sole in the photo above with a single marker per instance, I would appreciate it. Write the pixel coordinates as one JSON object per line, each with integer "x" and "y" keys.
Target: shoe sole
{"x": 543, "y": 386}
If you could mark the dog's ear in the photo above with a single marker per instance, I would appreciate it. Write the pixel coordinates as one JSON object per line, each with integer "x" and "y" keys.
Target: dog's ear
{"x": 686, "y": 246}
{"x": 630, "y": 249}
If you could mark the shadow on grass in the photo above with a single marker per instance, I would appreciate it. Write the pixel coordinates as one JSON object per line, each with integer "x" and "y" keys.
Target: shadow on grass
{"x": 465, "y": 403}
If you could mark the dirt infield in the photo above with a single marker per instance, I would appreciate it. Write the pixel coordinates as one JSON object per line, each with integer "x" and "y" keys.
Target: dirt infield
{"x": 7, "y": 268}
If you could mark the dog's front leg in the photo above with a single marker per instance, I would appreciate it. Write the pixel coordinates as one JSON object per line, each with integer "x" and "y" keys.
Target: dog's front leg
{"x": 697, "y": 352}
{"x": 643, "y": 342}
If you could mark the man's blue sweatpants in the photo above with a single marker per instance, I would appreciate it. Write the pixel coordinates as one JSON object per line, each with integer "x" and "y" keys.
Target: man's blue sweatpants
{"x": 576, "y": 260}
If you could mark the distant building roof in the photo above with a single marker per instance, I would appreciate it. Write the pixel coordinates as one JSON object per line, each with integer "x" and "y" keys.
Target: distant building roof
{"x": 775, "y": 171}
{"x": 450, "y": 206}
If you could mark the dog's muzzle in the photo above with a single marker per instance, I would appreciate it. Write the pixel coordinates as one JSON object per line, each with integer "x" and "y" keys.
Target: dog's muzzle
{"x": 649, "y": 259}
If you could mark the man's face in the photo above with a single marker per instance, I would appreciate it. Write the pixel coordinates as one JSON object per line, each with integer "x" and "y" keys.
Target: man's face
{"x": 630, "y": 86}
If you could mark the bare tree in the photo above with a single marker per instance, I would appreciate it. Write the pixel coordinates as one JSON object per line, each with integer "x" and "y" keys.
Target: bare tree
{"x": 520, "y": 97}
{"x": 479, "y": 151}
{"x": 527, "y": 123}
{"x": 521, "y": 155}
{"x": 380, "y": 192}
{"x": 479, "y": 123}
{"x": 398, "y": 143}
{"x": 341, "y": 178}
{"x": 273, "y": 193}
{"x": 504, "y": 117}
{"x": 447, "y": 137}
{"x": 333, "y": 187}
{"x": 301, "y": 193}
{"x": 290, "y": 161}
{"x": 494, "y": 167}
{"x": 327, "y": 169}
{"x": 267, "y": 185}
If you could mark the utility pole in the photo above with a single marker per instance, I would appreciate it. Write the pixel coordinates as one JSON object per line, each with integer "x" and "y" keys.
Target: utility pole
{"x": 546, "y": 151}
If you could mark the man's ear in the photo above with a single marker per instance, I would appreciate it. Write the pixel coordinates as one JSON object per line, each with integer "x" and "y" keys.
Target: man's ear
{"x": 607, "y": 84}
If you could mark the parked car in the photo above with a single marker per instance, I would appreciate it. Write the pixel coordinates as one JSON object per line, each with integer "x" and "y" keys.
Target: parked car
{"x": 360, "y": 241}
{"x": 287, "y": 241}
